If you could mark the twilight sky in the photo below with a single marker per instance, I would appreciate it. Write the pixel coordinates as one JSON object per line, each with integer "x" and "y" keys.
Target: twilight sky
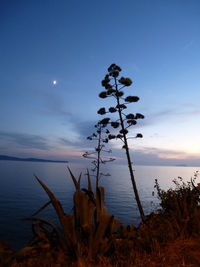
{"x": 157, "y": 45}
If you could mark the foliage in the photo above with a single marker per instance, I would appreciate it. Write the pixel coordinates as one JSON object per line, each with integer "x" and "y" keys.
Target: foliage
{"x": 181, "y": 205}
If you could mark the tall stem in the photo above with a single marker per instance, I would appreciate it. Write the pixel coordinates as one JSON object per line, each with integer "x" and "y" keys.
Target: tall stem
{"x": 98, "y": 157}
{"x": 128, "y": 157}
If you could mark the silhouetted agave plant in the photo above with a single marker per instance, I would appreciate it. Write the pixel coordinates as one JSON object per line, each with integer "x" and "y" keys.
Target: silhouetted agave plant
{"x": 100, "y": 136}
{"x": 88, "y": 232}
{"x": 113, "y": 88}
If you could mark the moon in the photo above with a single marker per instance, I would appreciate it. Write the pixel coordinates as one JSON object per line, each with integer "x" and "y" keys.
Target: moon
{"x": 54, "y": 82}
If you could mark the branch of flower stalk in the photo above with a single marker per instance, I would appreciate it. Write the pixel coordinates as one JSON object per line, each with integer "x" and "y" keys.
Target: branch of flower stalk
{"x": 137, "y": 136}
{"x": 89, "y": 157}
{"x": 89, "y": 153}
{"x": 121, "y": 139}
{"x": 121, "y": 87}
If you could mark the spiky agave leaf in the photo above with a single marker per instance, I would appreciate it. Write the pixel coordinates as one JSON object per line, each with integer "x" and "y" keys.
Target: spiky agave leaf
{"x": 66, "y": 223}
{"x": 42, "y": 233}
{"x": 53, "y": 199}
{"x": 79, "y": 180}
{"x": 42, "y": 208}
{"x": 77, "y": 185}
{"x": 44, "y": 221}
{"x": 104, "y": 234}
{"x": 89, "y": 181}
{"x": 100, "y": 232}
{"x": 81, "y": 209}
{"x": 90, "y": 194}
{"x": 100, "y": 204}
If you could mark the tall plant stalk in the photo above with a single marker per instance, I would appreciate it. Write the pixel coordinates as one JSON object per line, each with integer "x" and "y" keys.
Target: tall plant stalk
{"x": 98, "y": 158}
{"x": 101, "y": 137}
{"x": 128, "y": 154}
{"x": 125, "y": 121}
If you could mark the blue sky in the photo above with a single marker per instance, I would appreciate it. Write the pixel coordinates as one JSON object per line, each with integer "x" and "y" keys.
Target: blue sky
{"x": 156, "y": 43}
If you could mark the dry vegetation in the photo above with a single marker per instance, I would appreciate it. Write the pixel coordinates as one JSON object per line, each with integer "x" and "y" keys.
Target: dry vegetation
{"x": 92, "y": 237}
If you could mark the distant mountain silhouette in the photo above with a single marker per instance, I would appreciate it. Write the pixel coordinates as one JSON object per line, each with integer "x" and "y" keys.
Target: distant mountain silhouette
{"x": 3, "y": 157}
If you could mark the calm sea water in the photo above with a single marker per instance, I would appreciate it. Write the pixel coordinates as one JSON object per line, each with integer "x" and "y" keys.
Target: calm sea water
{"x": 21, "y": 195}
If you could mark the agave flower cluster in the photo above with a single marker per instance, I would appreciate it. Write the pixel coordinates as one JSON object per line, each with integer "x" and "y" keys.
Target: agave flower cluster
{"x": 114, "y": 88}
{"x": 101, "y": 137}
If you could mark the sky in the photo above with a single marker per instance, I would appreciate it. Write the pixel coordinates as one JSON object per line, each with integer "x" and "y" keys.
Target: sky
{"x": 157, "y": 45}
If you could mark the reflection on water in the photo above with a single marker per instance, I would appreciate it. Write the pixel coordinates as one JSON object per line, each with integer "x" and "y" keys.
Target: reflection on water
{"x": 21, "y": 195}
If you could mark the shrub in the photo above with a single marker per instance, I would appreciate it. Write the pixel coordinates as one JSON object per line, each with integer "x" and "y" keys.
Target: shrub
{"x": 181, "y": 205}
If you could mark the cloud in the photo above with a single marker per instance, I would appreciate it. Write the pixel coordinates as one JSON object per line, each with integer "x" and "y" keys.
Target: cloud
{"x": 71, "y": 144}
{"x": 178, "y": 114}
{"x": 56, "y": 106}
{"x": 19, "y": 143}
{"x": 85, "y": 128}
{"x": 24, "y": 140}
{"x": 156, "y": 156}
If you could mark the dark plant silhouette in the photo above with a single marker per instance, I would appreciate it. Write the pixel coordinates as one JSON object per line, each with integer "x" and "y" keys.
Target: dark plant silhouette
{"x": 181, "y": 205}
{"x": 89, "y": 231}
{"x": 101, "y": 137}
{"x": 113, "y": 88}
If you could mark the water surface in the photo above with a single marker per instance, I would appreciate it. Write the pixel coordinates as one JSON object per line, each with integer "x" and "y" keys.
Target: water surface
{"x": 21, "y": 195}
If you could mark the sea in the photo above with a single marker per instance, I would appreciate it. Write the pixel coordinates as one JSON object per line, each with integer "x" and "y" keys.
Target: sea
{"x": 21, "y": 194}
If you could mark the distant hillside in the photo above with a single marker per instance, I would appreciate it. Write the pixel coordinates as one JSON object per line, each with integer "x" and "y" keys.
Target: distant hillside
{"x": 3, "y": 157}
